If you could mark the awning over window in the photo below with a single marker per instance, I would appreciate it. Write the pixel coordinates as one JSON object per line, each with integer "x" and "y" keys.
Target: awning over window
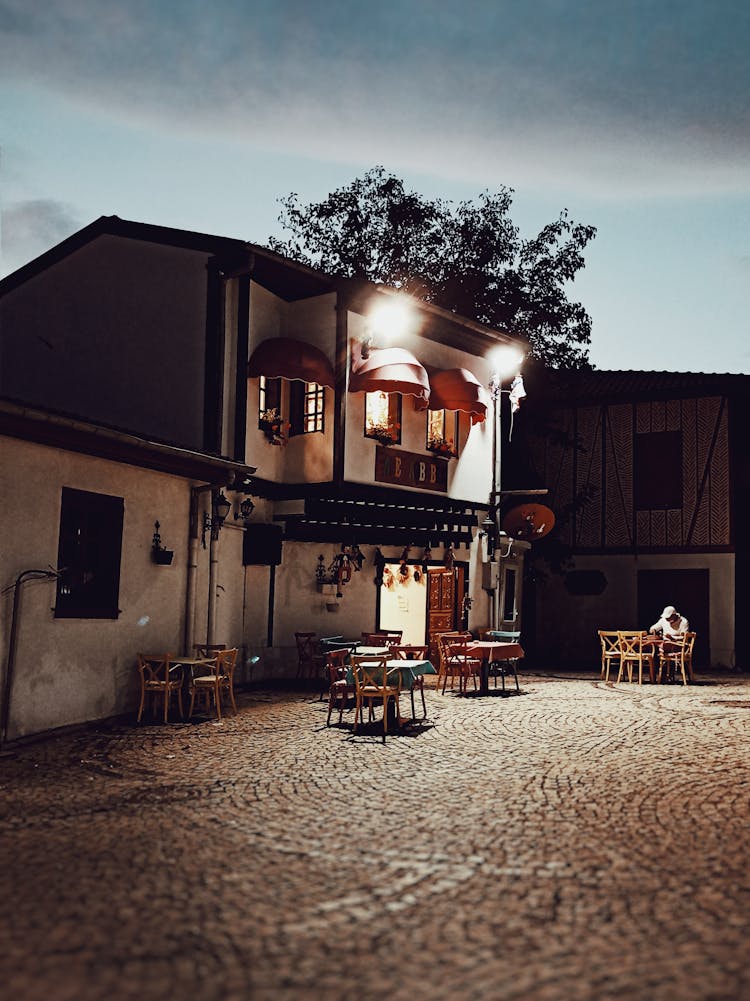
{"x": 291, "y": 359}
{"x": 458, "y": 389}
{"x": 391, "y": 370}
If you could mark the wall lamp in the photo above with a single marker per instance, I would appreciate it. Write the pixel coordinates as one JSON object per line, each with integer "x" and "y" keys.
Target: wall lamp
{"x": 220, "y": 508}
{"x": 244, "y": 510}
{"x": 387, "y": 321}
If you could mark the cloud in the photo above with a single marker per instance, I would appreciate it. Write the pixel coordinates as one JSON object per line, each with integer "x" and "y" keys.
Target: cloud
{"x": 598, "y": 94}
{"x": 30, "y": 228}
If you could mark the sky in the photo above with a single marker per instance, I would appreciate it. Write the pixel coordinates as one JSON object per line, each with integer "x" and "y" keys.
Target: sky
{"x": 634, "y": 115}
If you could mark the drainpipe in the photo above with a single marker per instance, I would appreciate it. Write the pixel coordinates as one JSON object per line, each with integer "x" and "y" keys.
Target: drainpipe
{"x": 192, "y": 567}
{"x": 10, "y": 664}
{"x": 213, "y": 573}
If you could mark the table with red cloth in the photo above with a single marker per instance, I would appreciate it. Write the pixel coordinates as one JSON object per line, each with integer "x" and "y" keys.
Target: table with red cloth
{"x": 489, "y": 651}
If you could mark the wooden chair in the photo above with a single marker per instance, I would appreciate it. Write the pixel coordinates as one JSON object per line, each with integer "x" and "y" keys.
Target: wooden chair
{"x": 308, "y": 658}
{"x": 371, "y": 685}
{"x": 610, "y": 646}
{"x": 383, "y": 639}
{"x": 461, "y": 664}
{"x": 677, "y": 653}
{"x": 412, "y": 652}
{"x": 219, "y": 682}
{"x": 634, "y": 651}
{"x": 339, "y": 689}
{"x": 160, "y": 682}
{"x": 503, "y": 666}
{"x": 446, "y": 670}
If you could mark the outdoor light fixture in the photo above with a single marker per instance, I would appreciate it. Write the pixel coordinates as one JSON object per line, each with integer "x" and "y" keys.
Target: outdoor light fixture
{"x": 244, "y": 511}
{"x": 220, "y": 508}
{"x": 386, "y": 322}
{"x": 159, "y": 553}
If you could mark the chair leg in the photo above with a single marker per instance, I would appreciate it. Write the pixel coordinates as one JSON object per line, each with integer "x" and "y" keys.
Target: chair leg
{"x": 143, "y": 702}
{"x": 424, "y": 704}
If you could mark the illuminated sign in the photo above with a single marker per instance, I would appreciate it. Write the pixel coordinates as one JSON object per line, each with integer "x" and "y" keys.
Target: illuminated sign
{"x": 410, "y": 469}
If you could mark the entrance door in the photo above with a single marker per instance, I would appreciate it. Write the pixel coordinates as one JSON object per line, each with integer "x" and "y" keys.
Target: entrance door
{"x": 687, "y": 590}
{"x": 445, "y": 590}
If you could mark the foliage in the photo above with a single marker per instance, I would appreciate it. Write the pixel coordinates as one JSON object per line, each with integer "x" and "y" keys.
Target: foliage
{"x": 467, "y": 257}
{"x": 441, "y": 446}
{"x": 274, "y": 427}
{"x": 386, "y": 434}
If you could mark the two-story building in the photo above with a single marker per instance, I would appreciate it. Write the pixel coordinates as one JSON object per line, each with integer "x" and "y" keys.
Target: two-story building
{"x": 648, "y": 476}
{"x": 310, "y": 467}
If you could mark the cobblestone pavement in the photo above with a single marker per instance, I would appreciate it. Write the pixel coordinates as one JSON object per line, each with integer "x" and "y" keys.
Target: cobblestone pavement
{"x": 579, "y": 841}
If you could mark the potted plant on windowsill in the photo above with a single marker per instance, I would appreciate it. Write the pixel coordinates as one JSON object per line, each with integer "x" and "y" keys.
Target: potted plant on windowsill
{"x": 441, "y": 446}
{"x": 386, "y": 434}
{"x": 273, "y": 427}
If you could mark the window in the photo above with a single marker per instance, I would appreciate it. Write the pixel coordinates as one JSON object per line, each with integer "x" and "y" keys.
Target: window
{"x": 383, "y": 417}
{"x": 442, "y": 432}
{"x": 88, "y": 555}
{"x": 509, "y": 596}
{"x": 269, "y": 399}
{"x": 306, "y": 407}
{"x": 657, "y": 470}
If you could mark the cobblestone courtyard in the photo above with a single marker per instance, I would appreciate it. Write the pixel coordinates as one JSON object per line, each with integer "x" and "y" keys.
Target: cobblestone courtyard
{"x": 577, "y": 842}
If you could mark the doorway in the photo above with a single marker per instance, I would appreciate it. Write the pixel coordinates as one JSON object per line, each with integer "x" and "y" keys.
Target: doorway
{"x": 688, "y": 591}
{"x": 445, "y": 592}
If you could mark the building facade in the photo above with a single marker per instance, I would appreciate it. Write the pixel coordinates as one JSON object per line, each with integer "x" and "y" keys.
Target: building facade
{"x": 173, "y": 371}
{"x": 648, "y": 475}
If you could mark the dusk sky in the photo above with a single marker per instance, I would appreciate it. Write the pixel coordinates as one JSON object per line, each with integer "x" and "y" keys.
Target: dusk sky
{"x": 633, "y": 115}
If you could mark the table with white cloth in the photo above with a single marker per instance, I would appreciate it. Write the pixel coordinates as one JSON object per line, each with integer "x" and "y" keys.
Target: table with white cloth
{"x": 489, "y": 651}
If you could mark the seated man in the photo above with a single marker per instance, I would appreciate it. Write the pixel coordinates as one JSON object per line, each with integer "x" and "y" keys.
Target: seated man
{"x": 671, "y": 625}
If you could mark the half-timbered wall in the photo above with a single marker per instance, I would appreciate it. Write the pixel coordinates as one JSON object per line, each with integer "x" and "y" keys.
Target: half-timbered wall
{"x": 589, "y": 468}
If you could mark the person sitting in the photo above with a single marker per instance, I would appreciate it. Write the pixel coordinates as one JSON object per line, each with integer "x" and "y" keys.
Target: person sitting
{"x": 671, "y": 625}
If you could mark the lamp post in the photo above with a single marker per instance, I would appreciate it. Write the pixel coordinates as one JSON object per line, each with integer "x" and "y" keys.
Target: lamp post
{"x": 506, "y": 362}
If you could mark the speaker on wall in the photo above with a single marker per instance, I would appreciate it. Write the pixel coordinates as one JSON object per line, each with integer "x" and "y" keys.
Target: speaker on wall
{"x": 261, "y": 545}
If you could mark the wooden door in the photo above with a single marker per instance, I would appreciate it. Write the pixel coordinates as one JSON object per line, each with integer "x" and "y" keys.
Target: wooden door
{"x": 444, "y": 593}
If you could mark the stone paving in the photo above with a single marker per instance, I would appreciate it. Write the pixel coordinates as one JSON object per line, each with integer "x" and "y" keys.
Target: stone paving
{"x": 579, "y": 841}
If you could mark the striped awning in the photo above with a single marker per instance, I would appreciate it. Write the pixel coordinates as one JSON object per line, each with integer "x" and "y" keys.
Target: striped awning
{"x": 288, "y": 358}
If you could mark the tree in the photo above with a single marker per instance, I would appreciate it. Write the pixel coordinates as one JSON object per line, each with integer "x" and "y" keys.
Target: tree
{"x": 468, "y": 257}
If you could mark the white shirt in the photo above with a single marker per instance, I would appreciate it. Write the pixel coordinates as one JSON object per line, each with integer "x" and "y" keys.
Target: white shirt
{"x": 670, "y": 629}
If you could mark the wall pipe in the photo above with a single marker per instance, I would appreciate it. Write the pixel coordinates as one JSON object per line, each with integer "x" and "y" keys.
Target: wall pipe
{"x": 13, "y": 642}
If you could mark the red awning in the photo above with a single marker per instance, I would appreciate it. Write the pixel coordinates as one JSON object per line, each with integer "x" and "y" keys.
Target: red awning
{"x": 458, "y": 389}
{"x": 391, "y": 370}
{"x": 291, "y": 359}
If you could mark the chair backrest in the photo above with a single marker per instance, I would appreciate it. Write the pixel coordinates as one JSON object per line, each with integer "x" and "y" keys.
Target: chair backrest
{"x": 225, "y": 662}
{"x": 379, "y": 639}
{"x": 154, "y": 668}
{"x": 371, "y": 672}
{"x": 631, "y": 643}
{"x": 443, "y": 639}
{"x": 610, "y": 642}
{"x": 305, "y": 645}
{"x": 208, "y": 649}
{"x": 504, "y": 635}
{"x": 336, "y": 664}
{"x": 409, "y": 651}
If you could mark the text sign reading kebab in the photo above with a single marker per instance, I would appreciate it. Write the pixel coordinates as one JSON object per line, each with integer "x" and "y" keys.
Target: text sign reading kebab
{"x": 410, "y": 469}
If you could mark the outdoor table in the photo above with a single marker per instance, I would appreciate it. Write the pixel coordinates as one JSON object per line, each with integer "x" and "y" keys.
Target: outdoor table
{"x": 190, "y": 662}
{"x": 489, "y": 651}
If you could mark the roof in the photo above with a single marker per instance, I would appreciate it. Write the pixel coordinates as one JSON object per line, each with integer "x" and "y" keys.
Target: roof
{"x": 597, "y": 385}
{"x": 17, "y": 420}
{"x": 281, "y": 275}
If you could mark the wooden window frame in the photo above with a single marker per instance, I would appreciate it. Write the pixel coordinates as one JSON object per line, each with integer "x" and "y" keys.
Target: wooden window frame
{"x": 306, "y": 408}
{"x": 394, "y": 419}
{"x": 89, "y": 555}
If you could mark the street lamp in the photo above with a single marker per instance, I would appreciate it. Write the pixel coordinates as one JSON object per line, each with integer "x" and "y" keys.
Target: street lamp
{"x": 506, "y": 361}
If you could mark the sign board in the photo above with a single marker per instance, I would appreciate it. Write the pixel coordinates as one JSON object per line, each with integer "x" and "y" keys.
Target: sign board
{"x": 410, "y": 469}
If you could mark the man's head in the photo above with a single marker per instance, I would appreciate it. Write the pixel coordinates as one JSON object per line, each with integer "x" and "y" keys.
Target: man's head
{"x": 670, "y": 613}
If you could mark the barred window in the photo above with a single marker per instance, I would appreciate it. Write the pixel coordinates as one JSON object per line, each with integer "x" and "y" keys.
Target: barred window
{"x": 306, "y": 407}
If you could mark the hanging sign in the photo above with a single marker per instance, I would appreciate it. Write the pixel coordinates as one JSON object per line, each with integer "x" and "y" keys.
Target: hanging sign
{"x": 410, "y": 469}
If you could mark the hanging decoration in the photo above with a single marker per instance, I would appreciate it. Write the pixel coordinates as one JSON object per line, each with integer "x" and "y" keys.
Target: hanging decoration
{"x": 379, "y": 560}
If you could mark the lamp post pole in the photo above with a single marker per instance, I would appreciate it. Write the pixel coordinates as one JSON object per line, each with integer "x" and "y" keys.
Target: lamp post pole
{"x": 506, "y": 361}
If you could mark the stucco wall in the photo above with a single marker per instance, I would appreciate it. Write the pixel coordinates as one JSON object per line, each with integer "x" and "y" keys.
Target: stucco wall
{"x": 114, "y": 333}
{"x": 74, "y": 670}
{"x": 567, "y": 625}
